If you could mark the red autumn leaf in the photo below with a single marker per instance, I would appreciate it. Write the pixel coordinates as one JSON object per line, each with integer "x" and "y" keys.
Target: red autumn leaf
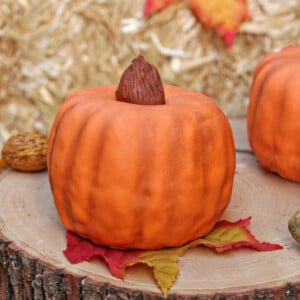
{"x": 225, "y": 16}
{"x": 152, "y": 6}
{"x": 224, "y": 236}
{"x": 80, "y": 249}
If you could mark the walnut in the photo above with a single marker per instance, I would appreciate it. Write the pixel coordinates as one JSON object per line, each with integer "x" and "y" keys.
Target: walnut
{"x": 26, "y": 151}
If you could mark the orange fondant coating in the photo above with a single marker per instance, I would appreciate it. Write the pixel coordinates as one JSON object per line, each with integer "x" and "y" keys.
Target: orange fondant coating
{"x": 140, "y": 176}
{"x": 274, "y": 113}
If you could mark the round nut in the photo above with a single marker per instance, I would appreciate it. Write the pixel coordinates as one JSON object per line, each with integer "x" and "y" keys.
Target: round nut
{"x": 26, "y": 151}
{"x": 294, "y": 226}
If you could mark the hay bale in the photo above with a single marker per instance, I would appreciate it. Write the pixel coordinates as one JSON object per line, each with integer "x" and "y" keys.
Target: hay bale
{"x": 49, "y": 48}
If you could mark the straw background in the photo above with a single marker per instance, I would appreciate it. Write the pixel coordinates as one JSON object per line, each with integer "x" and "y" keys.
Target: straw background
{"x": 49, "y": 48}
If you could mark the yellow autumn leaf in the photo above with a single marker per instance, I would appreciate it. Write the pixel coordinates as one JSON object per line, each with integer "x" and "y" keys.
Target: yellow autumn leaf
{"x": 165, "y": 266}
{"x": 225, "y": 236}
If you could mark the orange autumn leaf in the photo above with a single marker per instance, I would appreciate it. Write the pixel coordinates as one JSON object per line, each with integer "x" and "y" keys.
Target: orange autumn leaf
{"x": 164, "y": 263}
{"x": 225, "y": 16}
{"x": 3, "y": 163}
{"x": 152, "y": 6}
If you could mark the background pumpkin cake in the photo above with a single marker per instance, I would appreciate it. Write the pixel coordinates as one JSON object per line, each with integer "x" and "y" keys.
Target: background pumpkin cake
{"x": 273, "y": 114}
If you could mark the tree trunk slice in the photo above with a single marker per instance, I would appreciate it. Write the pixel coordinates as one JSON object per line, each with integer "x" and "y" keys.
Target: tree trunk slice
{"x": 239, "y": 128}
{"x": 32, "y": 238}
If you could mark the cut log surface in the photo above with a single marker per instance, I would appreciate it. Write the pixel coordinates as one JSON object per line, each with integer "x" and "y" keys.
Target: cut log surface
{"x": 32, "y": 240}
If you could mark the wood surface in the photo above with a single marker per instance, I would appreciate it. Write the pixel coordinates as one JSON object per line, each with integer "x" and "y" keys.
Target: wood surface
{"x": 32, "y": 238}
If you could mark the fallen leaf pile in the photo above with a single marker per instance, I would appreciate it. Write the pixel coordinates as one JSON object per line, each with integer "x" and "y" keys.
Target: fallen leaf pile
{"x": 225, "y": 16}
{"x": 164, "y": 263}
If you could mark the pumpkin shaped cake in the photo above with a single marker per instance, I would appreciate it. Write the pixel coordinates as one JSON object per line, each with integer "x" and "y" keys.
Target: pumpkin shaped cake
{"x": 274, "y": 113}
{"x": 140, "y": 165}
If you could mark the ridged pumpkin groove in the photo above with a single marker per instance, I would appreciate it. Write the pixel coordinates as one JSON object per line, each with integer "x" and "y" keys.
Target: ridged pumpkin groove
{"x": 273, "y": 114}
{"x": 137, "y": 176}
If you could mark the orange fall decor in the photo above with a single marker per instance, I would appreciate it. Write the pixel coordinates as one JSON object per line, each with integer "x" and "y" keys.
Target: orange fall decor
{"x": 225, "y": 16}
{"x": 140, "y": 165}
{"x": 274, "y": 113}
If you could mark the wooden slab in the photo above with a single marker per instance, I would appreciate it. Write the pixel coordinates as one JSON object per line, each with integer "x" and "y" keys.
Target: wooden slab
{"x": 32, "y": 239}
{"x": 239, "y": 128}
